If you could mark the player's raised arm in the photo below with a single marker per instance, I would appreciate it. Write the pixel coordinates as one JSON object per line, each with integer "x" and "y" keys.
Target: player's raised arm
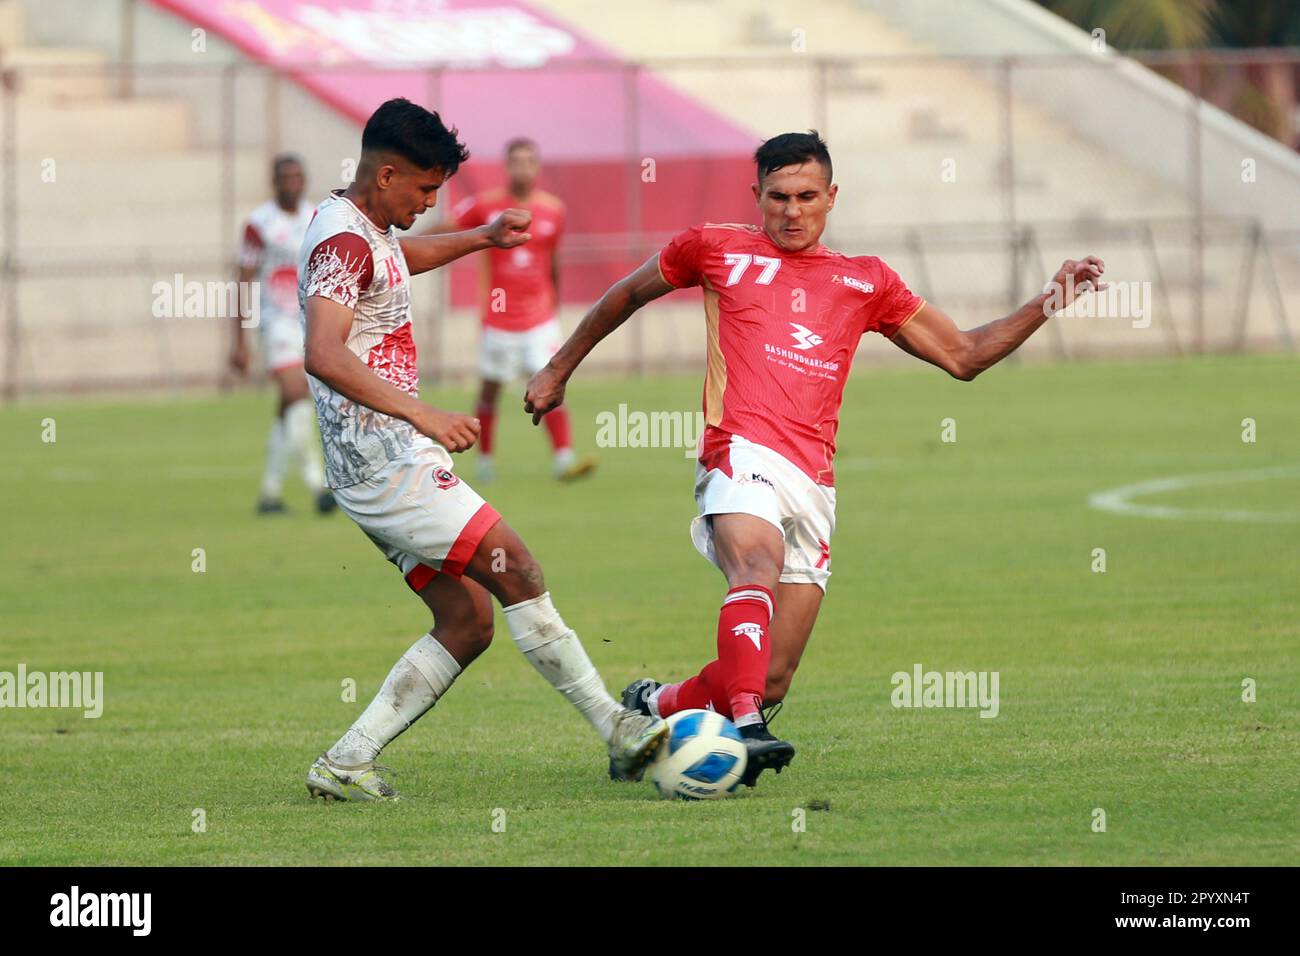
{"x": 933, "y": 336}
{"x": 329, "y": 359}
{"x": 431, "y": 251}
{"x": 624, "y": 297}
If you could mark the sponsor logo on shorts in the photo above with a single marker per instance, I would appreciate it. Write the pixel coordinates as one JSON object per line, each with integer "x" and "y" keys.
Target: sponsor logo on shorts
{"x": 753, "y": 478}
{"x": 444, "y": 478}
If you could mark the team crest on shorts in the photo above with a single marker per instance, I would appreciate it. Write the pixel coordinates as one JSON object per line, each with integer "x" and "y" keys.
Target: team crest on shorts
{"x": 444, "y": 478}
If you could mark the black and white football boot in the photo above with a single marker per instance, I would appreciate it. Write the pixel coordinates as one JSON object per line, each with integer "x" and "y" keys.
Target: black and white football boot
{"x": 636, "y": 696}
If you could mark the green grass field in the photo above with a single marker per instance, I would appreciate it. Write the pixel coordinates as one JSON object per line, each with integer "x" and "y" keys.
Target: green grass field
{"x": 1120, "y": 691}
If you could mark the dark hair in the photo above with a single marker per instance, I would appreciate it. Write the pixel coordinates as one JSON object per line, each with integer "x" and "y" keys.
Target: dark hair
{"x": 285, "y": 159}
{"x": 792, "y": 149}
{"x": 521, "y": 142}
{"x": 414, "y": 133}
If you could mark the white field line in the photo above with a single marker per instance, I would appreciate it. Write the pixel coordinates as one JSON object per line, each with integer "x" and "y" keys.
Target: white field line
{"x": 1119, "y": 500}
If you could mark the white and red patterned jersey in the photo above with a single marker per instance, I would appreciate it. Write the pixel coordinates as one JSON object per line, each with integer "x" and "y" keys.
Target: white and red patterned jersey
{"x": 783, "y": 328}
{"x": 350, "y": 260}
{"x": 271, "y": 244}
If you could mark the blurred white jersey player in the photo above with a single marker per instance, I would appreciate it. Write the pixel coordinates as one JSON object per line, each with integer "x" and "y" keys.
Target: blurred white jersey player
{"x": 268, "y": 256}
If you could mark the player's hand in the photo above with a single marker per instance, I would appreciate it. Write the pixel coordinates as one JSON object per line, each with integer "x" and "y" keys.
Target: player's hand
{"x": 1073, "y": 279}
{"x": 452, "y": 430}
{"x": 545, "y": 391}
{"x": 510, "y": 228}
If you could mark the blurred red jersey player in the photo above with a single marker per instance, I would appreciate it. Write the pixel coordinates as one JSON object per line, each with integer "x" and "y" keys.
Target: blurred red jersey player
{"x": 519, "y": 297}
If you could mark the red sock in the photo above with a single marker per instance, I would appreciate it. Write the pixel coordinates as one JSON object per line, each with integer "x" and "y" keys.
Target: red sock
{"x": 744, "y": 650}
{"x": 487, "y": 419}
{"x": 557, "y": 423}
{"x": 700, "y": 691}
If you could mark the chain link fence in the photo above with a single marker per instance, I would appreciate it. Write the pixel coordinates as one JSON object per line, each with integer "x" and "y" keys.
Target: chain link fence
{"x": 974, "y": 177}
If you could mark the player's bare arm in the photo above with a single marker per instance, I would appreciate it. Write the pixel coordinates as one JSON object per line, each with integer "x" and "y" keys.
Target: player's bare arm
{"x": 238, "y": 360}
{"x": 329, "y": 359}
{"x": 506, "y": 231}
{"x": 933, "y": 336}
{"x": 616, "y": 306}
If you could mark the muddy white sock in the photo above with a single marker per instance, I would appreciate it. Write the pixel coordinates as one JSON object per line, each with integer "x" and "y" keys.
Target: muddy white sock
{"x": 419, "y": 678}
{"x": 557, "y": 654}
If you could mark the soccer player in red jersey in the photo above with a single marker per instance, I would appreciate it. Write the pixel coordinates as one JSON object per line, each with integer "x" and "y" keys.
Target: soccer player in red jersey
{"x": 784, "y": 315}
{"x": 520, "y": 296}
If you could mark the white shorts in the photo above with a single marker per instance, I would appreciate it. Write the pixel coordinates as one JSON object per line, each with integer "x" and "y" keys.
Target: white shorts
{"x": 281, "y": 339}
{"x": 767, "y": 485}
{"x": 505, "y": 356}
{"x": 420, "y": 514}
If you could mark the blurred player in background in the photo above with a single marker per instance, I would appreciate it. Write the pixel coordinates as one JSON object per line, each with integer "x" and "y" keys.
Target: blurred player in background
{"x": 784, "y": 316}
{"x": 520, "y": 297}
{"x": 269, "y": 256}
{"x": 388, "y": 456}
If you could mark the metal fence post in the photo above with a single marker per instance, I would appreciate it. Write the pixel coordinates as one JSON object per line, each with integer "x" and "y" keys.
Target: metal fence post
{"x": 228, "y": 136}
{"x": 13, "y": 330}
{"x": 1198, "y": 213}
{"x": 632, "y": 140}
{"x": 1009, "y": 183}
{"x": 126, "y": 49}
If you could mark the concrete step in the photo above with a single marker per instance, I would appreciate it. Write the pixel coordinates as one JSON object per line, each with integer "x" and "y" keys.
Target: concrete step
{"x": 100, "y": 128}
{"x": 58, "y": 73}
{"x": 11, "y": 24}
{"x": 159, "y": 227}
{"x": 123, "y": 181}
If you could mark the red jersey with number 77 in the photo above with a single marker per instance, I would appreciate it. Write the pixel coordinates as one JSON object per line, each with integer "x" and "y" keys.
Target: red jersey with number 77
{"x": 783, "y": 328}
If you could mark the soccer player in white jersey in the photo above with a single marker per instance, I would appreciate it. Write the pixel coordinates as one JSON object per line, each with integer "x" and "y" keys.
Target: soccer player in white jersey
{"x": 388, "y": 455}
{"x": 268, "y": 256}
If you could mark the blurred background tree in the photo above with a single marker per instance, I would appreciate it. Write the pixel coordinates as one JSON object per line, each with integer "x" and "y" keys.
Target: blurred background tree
{"x": 1261, "y": 91}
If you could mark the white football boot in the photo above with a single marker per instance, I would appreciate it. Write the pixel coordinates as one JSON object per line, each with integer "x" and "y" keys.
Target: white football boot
{"x": 332, "y": 781}
{"x": 633, "y": 745}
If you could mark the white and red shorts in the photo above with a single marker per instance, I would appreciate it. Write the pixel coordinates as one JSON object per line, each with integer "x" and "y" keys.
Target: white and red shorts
{"x": 745, "y": 478}
{"x": 420, "y": 514}
{"x": 505, "y": 356}
{"x": 281, "y": 341}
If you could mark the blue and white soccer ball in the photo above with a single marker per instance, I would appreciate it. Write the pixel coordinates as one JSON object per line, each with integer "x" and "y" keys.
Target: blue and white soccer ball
{"x": 704, "y": 758}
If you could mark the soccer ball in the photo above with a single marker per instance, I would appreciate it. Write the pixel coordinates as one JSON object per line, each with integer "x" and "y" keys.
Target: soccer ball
{"x": 704, "y": 758}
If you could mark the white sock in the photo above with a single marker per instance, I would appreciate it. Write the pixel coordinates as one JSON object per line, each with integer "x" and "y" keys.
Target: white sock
{"x": 653, "y": 700}
{"x": 277, "y": 453}
{"x": 557, "y": 654}
{"x": 419, "y": 678}
{"x": 300, "y": 428}
{"x": 563, "y": 459}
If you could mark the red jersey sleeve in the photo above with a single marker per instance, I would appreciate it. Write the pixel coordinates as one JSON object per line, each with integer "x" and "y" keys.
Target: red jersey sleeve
{"x": 250, "y": 248}
{"x": 339, "y": 268}
{"x": 682, "y": 260}
{"x": 893, "y": 304}
{"x": 467, "y": 213}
